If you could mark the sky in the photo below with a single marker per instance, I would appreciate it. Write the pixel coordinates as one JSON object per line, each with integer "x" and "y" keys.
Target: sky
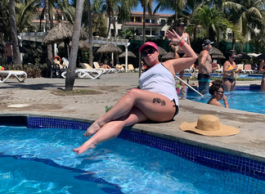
{"x": 140, "y": 9}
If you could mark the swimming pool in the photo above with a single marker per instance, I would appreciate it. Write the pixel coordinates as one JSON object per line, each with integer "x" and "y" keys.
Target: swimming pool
{"x": 39, "y": 158}
{"x": 246, "y": 100}
{"x": 249, "y": 76}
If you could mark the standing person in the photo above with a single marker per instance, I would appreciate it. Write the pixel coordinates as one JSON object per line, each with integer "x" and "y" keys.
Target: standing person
{"x": 156, "y": 100}
{"x": 9, "y": 53}
{"x": 229, "y": 72}
{"x": 205, "y": 67}
{"x": 217, "y": 92}
{"x": 185, "y": 36}
{"x": 262, "y": 69}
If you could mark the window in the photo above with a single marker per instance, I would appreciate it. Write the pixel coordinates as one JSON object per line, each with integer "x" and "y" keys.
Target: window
{"x": 162, "y": 33}
{"x": 147, "y": 20}
{"x": 131, "y": 19}
{"x": 138, "y": 19}
{"x": 169, "y": 22}
{"x": 153, "y": 32}
{"x": 119, "y": 32}
{"x": 153, "y": 21}
{"x": 147, "y": 32}
{"x": 163, "y": 22}
{"x": 112, "y": 32}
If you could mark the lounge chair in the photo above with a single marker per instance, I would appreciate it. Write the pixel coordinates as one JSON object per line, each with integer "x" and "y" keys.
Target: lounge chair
{"x": 86, "y": 72}
{"x": 248, "y": 69}
{"x": 130, "y": 67}
{"x": 97, "y": 67}
{"x": 120, "y": 68}
{"x": 14, "y": 73}
{"x": 219, "y": 69}
{"x": 241, "y": 66}
{"x": 54, "y": 69}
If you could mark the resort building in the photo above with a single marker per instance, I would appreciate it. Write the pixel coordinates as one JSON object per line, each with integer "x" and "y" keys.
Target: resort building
{"x": 155, "y": 26}
{"x": 41, "y": 19}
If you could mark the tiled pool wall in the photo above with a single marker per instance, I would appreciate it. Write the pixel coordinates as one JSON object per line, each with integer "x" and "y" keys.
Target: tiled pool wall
{"x": 207, "y": 157}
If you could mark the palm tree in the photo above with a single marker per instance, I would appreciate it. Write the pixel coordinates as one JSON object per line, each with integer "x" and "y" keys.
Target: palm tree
{"x": 246, "y": 14}
{"x": 146, "y": 5}
{"x": 175, "y": 5}
{"x": 90, "y": 33}
{"x": 47, "y": 26}
{"x": 70, "y": 76}
{"x": 13, "y": 27}
{"x": 190, "y": 9}
{"x": 25, "y": 15}
{"x": 213, "y": 20}
{"x": 4, "y": 18}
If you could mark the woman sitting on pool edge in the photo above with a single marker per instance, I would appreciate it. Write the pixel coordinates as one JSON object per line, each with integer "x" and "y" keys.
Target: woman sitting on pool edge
{"x": 156, "y": 100}
{"x": 229, "y": 72}
{"x": 217, "y": 92}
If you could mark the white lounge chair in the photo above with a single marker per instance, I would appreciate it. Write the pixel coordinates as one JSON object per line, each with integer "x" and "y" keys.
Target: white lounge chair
{"x": 14, "y": 73}
{"x": 86, "y": 72}
{"x": 110, "y": 70}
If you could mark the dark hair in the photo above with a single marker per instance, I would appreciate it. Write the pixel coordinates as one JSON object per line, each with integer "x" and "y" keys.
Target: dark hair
{"x": 215, "y": 86}
{"x": 230, "y": 54}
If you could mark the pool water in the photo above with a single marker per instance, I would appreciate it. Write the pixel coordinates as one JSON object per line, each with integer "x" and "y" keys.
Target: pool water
{"x": 41, "y": 160}
{"x": 250, "y": 100}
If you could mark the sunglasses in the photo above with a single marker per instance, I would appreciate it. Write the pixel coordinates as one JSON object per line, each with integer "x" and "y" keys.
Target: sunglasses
{"x": 149, "y": 51}
{"x": 234, "y": 58}
{"x": 220, "y": 92}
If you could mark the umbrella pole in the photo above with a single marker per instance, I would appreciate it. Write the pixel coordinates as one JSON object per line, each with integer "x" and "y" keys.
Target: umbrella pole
{"x": 189, "y": 86}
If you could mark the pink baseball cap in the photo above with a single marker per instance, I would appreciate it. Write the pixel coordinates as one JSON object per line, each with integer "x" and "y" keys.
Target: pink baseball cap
{"x": 151, "y": 44}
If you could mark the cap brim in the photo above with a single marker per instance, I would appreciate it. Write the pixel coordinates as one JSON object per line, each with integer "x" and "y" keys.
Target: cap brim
{"x": 224, "y": 130}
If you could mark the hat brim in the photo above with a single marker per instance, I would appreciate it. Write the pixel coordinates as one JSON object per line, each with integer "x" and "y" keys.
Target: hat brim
{"x": 224, "y": 130}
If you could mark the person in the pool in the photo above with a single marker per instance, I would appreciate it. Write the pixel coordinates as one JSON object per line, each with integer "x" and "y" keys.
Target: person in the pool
{"x": 229, "y": 72}
{"x": 217, "y": 92}
{"x": 262, "y": 70}
{"x": 155, "y": 100}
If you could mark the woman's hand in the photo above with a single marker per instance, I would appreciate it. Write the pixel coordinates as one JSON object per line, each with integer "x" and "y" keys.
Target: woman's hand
{"x": 224, "y": 98}
{"x": 175, "y": 38}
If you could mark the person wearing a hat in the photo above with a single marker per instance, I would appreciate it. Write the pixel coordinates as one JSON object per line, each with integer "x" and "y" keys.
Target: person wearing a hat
{"x": 9, "y": 53}
{"x": 205, "y": 67}
{"x": 155, "y": 100}
{"x": 229, "y": 72}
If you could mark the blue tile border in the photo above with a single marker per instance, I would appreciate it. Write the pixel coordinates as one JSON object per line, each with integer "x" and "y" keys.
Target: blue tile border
{"x": 210, "y": 158}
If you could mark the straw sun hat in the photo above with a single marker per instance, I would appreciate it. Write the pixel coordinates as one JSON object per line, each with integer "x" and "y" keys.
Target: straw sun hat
{"x": 209, "y": 125}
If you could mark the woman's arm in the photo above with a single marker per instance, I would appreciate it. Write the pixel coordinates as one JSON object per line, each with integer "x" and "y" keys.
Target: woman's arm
{"x": 188, "y": 36}
{"x": 181, "y": 63}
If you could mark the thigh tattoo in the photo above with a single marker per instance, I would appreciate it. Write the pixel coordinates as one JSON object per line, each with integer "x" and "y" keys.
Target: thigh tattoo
{"x": 158, "y": 100}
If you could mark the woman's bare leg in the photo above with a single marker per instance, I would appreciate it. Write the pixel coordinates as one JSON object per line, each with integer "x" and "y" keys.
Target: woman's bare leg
{"x": 227, "y": 86}
{"x": 233, "y": 86}
{"x": 155, "y": 106}
{"x": 112, "y": 130}
{"x": 262, "y": 86}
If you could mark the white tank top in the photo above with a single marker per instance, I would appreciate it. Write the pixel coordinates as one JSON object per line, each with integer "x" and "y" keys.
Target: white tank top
{"x": 160, "y": 80}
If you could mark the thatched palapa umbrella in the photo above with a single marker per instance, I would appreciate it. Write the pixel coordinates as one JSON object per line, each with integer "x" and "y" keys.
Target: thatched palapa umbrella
{"x": 169, "y": 55}
{"x": 215, "y": 51}
{"x": 82, "y": 45}
{"x": 62, "y": 32}
{"x": 130, "y": 54}
{"x": 109, "y": 48}
{"x": 161, "y": 51}
{"x": 218, "y": 56}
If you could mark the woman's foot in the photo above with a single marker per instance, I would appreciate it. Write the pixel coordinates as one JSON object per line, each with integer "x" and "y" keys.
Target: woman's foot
{"x": 92, "y": 129}
{"x": 84, "y": 148}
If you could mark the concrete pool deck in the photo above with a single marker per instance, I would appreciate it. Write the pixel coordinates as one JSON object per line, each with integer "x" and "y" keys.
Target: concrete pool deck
{"x": 38, "y": 95}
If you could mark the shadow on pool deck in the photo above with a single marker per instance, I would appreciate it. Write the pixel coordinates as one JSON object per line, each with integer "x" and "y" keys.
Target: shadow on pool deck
{"x": 36, "y": 93}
